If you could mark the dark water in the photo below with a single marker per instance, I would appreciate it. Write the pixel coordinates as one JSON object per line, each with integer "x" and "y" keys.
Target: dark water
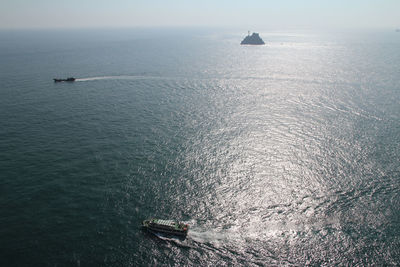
{"x": 285, "y": 154}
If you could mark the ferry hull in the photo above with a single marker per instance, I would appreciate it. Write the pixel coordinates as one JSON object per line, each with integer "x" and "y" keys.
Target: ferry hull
{"x": 156, "y": 228}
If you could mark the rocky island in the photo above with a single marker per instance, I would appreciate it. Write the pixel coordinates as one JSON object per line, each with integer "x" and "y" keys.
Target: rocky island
{"x": 253, "y": 39}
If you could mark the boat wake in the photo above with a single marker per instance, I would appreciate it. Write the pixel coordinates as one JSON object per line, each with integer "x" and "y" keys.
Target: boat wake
{"x": 94, "y": 78}
{"x": 194, "y": 238}
{"x": 178, "y": 241}
{"x": 205, "y": 237}
{"x": 199, "y": 238}
{"x": 120, "y": 77}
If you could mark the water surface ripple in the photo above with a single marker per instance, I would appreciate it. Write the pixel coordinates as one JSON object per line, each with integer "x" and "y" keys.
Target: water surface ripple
{"x": 286, "y": 154}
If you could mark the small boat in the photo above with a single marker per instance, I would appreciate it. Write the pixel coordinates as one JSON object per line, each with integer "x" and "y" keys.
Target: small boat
{"x": 70, "y": 79}
{"x": 170, "y": 227}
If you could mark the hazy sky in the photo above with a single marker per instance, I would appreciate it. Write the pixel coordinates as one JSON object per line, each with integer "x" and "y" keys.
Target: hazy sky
{"x": 230, "y": 13}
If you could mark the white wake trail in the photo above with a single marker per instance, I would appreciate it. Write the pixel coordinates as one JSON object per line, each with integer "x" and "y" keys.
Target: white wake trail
{"x": 120, "y": 77}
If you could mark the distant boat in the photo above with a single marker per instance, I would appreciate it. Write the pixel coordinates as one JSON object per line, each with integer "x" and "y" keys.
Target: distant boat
{"x": 70, "y": 79}
{"x": 170, "y": 227}
{"x": 397, "y": 30}
{"x": 253, "y": 39}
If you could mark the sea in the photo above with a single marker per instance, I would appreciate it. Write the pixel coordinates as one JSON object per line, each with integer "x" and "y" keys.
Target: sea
{"x": 286, "y": 154}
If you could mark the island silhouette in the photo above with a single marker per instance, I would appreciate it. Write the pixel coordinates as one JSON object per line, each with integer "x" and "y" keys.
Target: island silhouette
{"x": 253, "y": 39}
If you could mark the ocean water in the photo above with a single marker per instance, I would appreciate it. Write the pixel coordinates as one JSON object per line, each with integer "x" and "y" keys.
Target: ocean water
{"x": 283, "y": 154}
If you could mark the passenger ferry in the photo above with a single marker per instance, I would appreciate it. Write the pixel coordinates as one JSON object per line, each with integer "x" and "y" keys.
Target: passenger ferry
{"x": 166, "y": 226}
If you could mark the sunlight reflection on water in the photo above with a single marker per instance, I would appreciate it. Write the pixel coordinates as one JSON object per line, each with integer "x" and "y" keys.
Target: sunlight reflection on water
{"x": 275, "y": 155}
